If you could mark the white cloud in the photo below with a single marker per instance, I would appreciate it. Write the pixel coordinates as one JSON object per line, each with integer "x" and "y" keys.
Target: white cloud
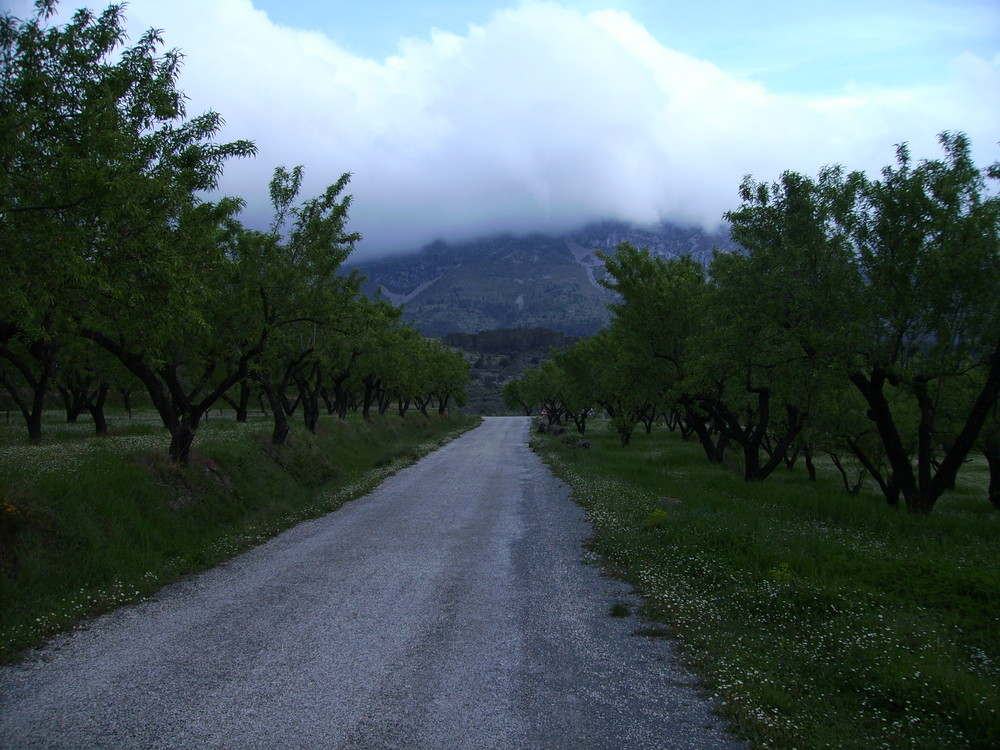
{"x": 541, "y": 118}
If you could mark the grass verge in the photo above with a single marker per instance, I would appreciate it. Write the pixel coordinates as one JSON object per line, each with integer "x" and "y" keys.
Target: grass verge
{"x": 88, "y": 524}
{"x": 814, "y": 619}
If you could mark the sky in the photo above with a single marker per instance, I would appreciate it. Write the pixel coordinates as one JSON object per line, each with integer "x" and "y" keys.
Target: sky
{"x": 463, "y": 119}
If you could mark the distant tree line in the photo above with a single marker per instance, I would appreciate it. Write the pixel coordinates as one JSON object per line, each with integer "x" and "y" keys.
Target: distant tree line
{"x": 510, "y": 340}
{"x": 116, "y": 270}
{"x": 861, "y": 321}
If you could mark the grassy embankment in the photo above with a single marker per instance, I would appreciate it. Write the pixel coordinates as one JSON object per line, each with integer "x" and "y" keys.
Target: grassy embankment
{"x": 814, "y": 619}
{"x": 87, "y": 524}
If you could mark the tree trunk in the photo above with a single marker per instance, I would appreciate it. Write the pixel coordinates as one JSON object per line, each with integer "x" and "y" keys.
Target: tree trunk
{"x": 790, "y": 458}
{"x": 713, "y": 450}
{"x": 242, "y": 404}
{"x": 753, "y": 436}
{"x": 95, "y": 405}
{"x": 181, "y": 439}
{"x": 279, "y": 433}
{"x": 33, "y": 421}
{"x": 174, "y": 403}
{"x": 422, "y": 404}
{"x": 327, "y": 401}
{"x": 340, "y": 402}
{"x": 851, "y": 489}
{"x": 992, "y": 452}
{"x": 44, "y": 353}
{"x": 126, "y": 394}
{"x": 888, "y": 484}
{"x": 74, "y": 399}
{"x": 751, "y": 462}
{"x": 921, "y": 489}
{"x": 309, "y": 394}
{"x": 371, "y": 385}
{"x": 807, "y": 454}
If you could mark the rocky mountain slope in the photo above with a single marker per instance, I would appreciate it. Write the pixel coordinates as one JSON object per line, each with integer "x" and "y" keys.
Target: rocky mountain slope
{"x": 521, "y": 281}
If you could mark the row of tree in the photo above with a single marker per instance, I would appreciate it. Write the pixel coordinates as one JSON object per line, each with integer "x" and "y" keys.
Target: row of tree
{"x": 115, "y": 266}
{"x": 861, "y": 320}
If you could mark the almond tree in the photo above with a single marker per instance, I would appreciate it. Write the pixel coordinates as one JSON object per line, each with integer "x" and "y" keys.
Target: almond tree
{"x": 928, "y": 243}
{"x": 910, "y": 316}
{"x": 100, "y": 222}
{"x": 516, "y": 397}
{"x": 662, "y": 315}
{"x": 781, "y": 313}
{"x": 449, "y": 375}
{"x": 287, "y": 282}
{"x": 990, "y": 443}
{"x": 183, "y": 347}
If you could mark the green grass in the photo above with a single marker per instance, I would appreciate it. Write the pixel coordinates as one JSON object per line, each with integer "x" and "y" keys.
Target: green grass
{"x": 814, "y": 619}
{"x": 620, "y": 609}
{"x": 88, "y": 524}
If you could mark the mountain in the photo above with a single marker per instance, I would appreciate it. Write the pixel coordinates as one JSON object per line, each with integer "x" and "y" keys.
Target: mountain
{"x": 498, "y": 356}
{"x": 537, "y": 280}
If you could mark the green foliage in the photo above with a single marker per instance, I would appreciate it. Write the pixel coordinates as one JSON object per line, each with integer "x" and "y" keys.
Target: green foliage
{"x": 510, "y": 340}
{"x": 656, "y": 518}
{"x": 928, "y": 243}
{"x": 107, "y": 241}
{"x": 620, "y": 609}
{"x": 858, "y": 319}
{"x": 98, "y": 160}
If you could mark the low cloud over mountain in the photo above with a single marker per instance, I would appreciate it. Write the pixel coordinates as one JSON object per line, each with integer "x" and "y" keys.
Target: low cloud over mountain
{"x": 540, "y": 119}
{"x": 526, "y": 281}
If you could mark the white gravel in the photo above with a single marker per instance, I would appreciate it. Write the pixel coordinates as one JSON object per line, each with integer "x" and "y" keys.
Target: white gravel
{"x": 450, "y": 608}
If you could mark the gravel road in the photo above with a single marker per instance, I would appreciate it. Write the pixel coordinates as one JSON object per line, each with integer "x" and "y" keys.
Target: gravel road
{"x": 450, "y": 608}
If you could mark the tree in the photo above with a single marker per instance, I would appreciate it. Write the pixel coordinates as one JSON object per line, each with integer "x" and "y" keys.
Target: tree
{"x": 903, "y": 280}
{"x": 515, "y": 397}
{"x": 30, "y": 369}
{"x": 628, "y": 381}
{"x": 185, "y": 355}
{"x": 781, "y": 314}
{"x": 538, "y": 386}
{"x": 287, "y": 282}
{"x": 990, "y": 444}
{"x": 928, "y": 245}
{"x": 662, "y": 316}
{"x": 84, "y": 380}
{"x": 100, "y": 176}
{"x": 580, "y": 367}
{"x": 449, "y": 375}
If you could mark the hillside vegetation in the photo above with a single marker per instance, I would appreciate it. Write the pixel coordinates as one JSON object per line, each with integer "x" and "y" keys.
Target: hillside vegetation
{"x": 499, "y": 356}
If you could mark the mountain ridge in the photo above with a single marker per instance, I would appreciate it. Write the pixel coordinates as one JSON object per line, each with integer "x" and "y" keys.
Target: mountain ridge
{"x": 522, "y": 281}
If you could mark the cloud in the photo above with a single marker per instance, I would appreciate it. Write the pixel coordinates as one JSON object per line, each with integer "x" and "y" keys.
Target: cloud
{"x": 542, "y": 118}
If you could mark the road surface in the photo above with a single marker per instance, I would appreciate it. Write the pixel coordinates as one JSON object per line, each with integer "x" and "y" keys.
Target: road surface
{"x": 450, "y": 608}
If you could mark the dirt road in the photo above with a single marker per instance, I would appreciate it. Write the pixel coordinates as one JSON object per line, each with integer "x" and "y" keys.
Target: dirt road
{"x": 451, "y": 608}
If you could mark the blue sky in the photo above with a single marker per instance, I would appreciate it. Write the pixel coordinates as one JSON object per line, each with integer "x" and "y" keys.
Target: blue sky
{"x": 793, "y": 46}
{"x": 458, "y": 119}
